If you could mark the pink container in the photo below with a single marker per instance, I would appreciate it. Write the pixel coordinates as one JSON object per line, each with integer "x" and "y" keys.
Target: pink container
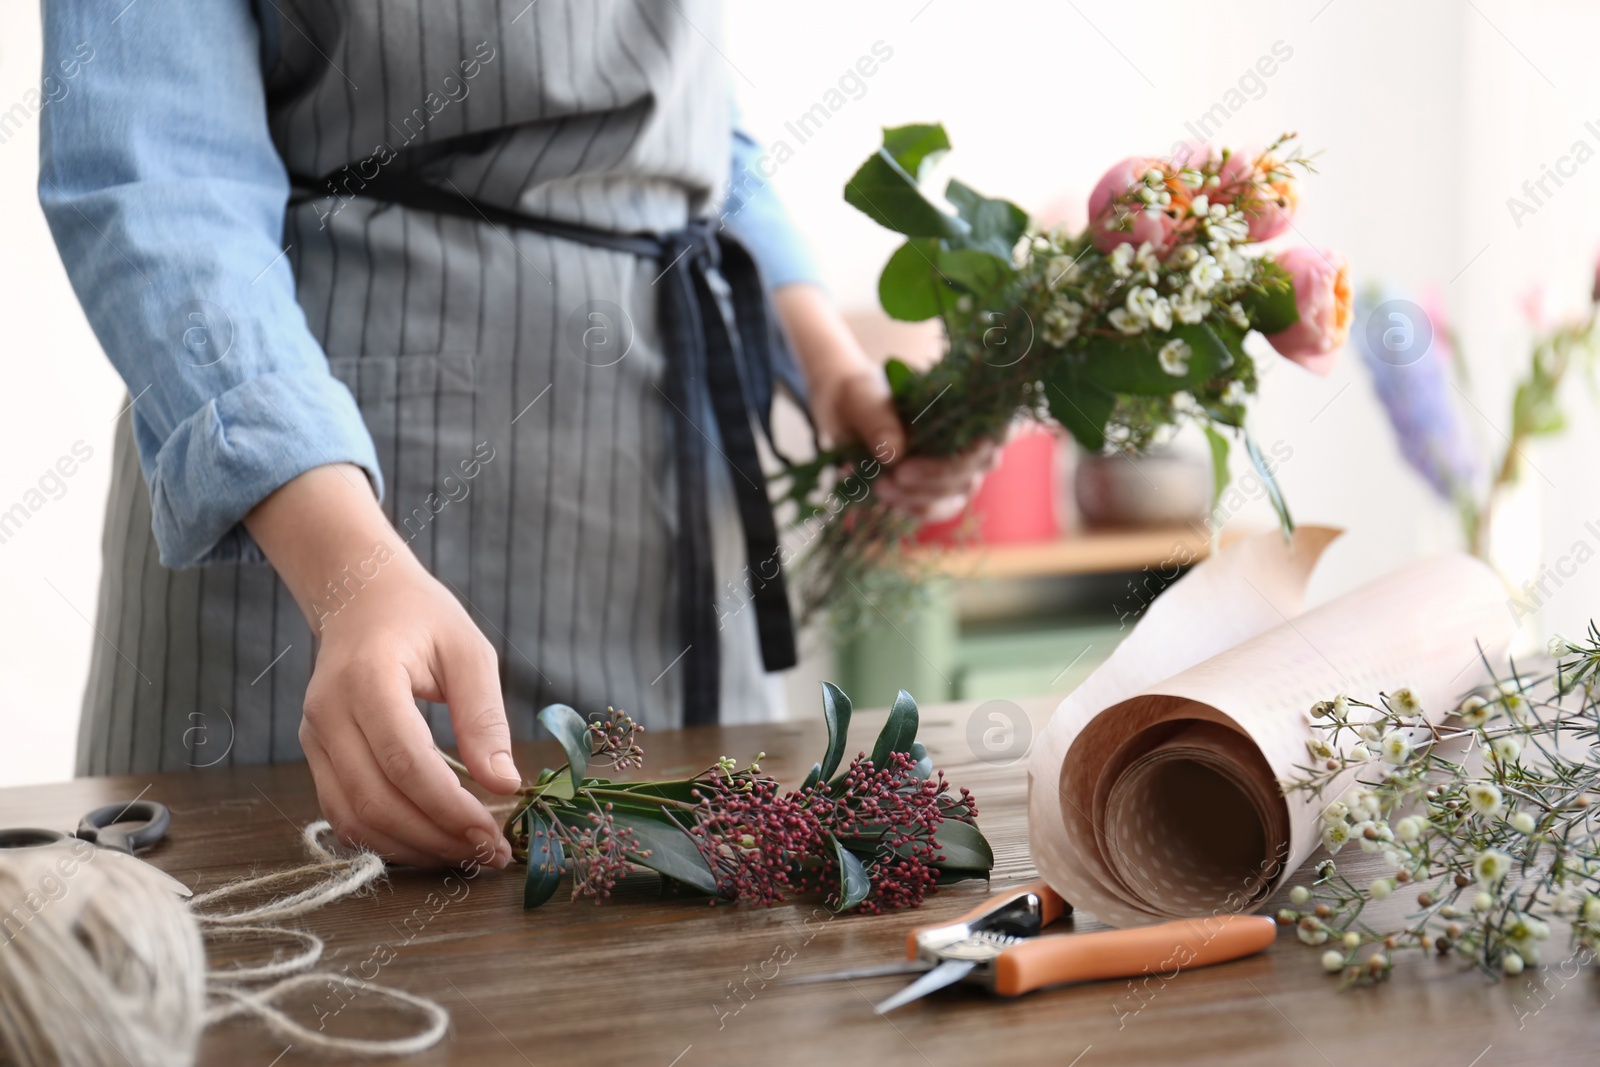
{"x": 1017, "y": 502}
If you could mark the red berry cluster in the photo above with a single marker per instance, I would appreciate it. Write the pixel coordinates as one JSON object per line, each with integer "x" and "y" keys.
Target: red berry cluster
{"x": 616, "y": 740}
{"x": 597, "y": 855}
{"x": 761, "y": 845}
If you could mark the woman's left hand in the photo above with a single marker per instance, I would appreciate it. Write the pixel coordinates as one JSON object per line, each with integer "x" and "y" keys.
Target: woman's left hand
{"x": 850, "y": 401}
{"x": 857, "y": 406}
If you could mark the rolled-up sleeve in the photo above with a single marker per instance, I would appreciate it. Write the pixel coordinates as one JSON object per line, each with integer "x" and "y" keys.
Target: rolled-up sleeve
{"x": 755, "y": 215}
{"x": 166, "y": 199}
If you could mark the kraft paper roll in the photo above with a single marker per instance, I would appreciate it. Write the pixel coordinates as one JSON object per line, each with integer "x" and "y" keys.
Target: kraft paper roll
{"x": 1154, "y": 792}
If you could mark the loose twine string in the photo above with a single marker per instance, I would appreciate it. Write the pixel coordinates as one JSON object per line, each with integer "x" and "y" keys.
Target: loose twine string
{"x": 127, "y": 957}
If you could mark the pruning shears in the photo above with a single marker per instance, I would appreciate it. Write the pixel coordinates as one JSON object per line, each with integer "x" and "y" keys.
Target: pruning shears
{"x": 999, "y": 945}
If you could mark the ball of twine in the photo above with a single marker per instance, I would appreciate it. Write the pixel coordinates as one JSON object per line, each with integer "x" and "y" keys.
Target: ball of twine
{"x": 100, "y": 961}
{"x": 102, "y": 965}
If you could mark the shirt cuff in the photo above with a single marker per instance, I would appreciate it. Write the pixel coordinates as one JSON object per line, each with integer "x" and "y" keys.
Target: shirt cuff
{"x": 226, "y": 458}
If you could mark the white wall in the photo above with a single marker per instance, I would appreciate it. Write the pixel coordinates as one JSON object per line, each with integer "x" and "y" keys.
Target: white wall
{"x": 58, "y": 390}
{"x": 1429, "y": 115}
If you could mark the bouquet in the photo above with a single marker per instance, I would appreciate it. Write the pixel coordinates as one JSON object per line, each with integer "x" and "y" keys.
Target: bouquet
{"x": 877, "y": 834}
{"x": 1118, "y": 333}
{"x": 1488, "y": 821}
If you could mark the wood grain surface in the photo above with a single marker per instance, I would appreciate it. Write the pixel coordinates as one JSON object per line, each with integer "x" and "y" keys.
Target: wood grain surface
{"x": 668, "y": 980}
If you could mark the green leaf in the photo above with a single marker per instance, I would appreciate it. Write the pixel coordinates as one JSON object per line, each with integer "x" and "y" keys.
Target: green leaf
{"x": 1219, "y": 462}
{"x": 545, "y": 858}
{"x": 559, "y": 787}
{"x": 917, "y": 146}
{"x": 924, "y": 762}
{"x": 836, "y": 713}
{"x": 1133, "y": 364}
{"x": 673, "y": 854}
{"x": 1270, "y": 304}
{"x": 910, "y": 287}
{"x": 1274, "y": 493}
{"x": 952, "y": 875}
{"x": 901, "y": 377}
{"x": 1082, "y": 408}
{"x": 886, "y": 187}
{"x": 899, "y": 732}
{"x": 813, "y": 778}
{"x": 854, "y": 883}
{"x": 682, "y": 790}
{"x": 572, "y": 731}
{"x": 963, "y": 847}
{"x": 977, "y": 270}
{"x": 996, "y": 225}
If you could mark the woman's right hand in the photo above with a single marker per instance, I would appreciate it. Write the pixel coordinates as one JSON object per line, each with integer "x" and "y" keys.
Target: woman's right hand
{"x": 389, "y": 632}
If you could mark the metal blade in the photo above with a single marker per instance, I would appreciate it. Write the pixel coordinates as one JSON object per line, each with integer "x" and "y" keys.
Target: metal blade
{"x": 898, "y": 967}
{"x": 947, "y": 973}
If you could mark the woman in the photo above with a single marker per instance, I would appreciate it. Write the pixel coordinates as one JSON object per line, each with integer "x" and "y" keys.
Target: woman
{"x": 412, "y": 416}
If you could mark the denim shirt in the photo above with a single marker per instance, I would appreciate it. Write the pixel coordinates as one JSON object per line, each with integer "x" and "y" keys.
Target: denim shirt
{"x": 166, "y": 199}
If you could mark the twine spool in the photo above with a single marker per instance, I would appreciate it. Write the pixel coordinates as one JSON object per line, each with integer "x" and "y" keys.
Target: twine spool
{"x": 100, "y": 961}
{"x": 102, "y": 965}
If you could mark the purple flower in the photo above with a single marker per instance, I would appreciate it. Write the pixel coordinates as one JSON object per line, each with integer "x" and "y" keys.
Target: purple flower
{"x": 1408, "y": 352}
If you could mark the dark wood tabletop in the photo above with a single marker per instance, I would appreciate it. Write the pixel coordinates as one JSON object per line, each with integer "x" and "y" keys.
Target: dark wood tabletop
{"x": 668, "y": 980}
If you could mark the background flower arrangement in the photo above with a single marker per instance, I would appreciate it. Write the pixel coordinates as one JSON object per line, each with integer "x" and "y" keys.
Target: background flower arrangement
{"x": 1489, "y": 819}
{"x": 1118, "y": 333}
{"x": 877, "y": 834}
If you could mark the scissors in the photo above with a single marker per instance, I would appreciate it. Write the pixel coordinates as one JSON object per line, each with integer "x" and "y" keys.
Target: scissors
{"x": 121, "y": 829}
{"x": 998, "y": 945}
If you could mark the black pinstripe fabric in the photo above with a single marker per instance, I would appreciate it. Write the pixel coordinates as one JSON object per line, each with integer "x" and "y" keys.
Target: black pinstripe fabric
{"x": 456, "y": 340}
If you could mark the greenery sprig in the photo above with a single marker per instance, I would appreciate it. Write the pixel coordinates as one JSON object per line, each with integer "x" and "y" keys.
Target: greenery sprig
{"x": 1490, "y": 819}
{"x": 875, "y": 834}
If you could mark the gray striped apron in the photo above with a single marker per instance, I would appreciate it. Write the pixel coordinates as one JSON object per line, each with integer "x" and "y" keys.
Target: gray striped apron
{"x": 528, "y": 460}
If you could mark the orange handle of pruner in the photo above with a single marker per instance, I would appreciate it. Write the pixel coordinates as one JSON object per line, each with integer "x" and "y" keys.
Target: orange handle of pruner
{"x": 1163, "y": 949}
{"x": 1051, "y": 904}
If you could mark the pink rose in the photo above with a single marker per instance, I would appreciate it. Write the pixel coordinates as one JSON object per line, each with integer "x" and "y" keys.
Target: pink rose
{"x": 1269, "y": 204}
{"x": 1155, "y": 228}
{"x": 1322, "y": 296}
{"x": 1276, "y": 203}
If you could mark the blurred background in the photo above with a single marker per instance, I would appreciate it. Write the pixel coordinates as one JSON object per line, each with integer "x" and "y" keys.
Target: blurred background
{"x": 1459, "y": 165}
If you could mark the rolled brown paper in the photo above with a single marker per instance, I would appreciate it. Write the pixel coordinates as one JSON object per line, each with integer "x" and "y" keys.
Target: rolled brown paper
{"x": 1154, "y": 792}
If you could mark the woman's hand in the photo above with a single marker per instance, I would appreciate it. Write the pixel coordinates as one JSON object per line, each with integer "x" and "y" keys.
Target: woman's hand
{"x": 850, "y": 401}
{"x": 389, "y": 632}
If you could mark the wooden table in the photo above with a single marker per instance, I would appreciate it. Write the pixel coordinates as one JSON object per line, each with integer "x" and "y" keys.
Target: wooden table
{"x": 659, "y": 981}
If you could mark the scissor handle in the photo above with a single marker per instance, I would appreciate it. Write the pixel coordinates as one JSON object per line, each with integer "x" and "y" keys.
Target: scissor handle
{"x": 29, "y": 837}
{"x": 126, "y": 827}
{"x": 1051, "y": 908}
{"x": 1163, "y": 949}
